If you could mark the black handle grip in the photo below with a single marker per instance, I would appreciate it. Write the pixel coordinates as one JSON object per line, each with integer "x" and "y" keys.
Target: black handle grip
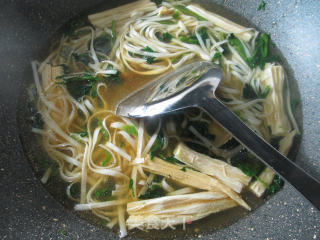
{"x": 292, "y": 173}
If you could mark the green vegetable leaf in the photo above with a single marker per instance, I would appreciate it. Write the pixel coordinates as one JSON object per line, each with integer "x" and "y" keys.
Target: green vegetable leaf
{"x": 102, "y": 44}
{"x": 249, "y": 93}
{"x": 158, "y": 2}
{"x": 203, "y": 33}
{"x": 36, "y": 121}
{"x": 265, "y": 93}
{"x": 167, "y": 22}
{"x": 154, "y": 189}
{"x": 164, "y": 37}
{"x": 183, "y": 169}
{"x": 73, "y": 26}
{"x": 201, "y": 126}
{"x": 63, "y": 232}
{"x": 176, "y": 14}
{"x": 104, "y": 223}
{"x": 262, "y": 6}
{"x": 191, "y": 40}
{"x": 274, "y": 141}
{"x": 187, "y": 11}
{"x": 131, "y": 183}
{"x": 248, "y": 165}
{"x": 130, "y": 129}
{"x": 107, "y": 159}
{"x": 83, "y": 58}
{"x": 80, "y": 85}
{"x": 149, "y": 59}
{"x": 216, "y": 56}
{"x": 275, "y": 186}
{"x": 294, "y": 104}
{"x": 66, "y": 69}
{"x": 236, "y": 43}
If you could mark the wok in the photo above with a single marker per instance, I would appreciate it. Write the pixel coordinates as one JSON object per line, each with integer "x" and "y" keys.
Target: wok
{"x": 29, "y": 211}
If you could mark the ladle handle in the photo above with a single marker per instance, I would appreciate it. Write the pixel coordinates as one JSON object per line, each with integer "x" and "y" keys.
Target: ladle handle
{"x": 292, "y": 173}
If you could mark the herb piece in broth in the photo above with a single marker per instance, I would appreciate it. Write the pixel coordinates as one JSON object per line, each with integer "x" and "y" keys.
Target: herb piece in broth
{"x": 275, "y": 186}
{"x": 130, "y": 129}
{"x": 187, "y": 11}
{"x": 176, "y": 14}
{"x": 84, "y": 58}
{"x": 167, "y": 22}
{"x": 262, "y": 6}
{"x": 148, "y": 59}
{"x": 216, "y": 56}
{"x": 164, "y": 37}
{"x": 106, "y": 159}
{"x": 191, "y": 39}
{"x": 102, "y": 44}
{"x": 74, "y": 25}
{"x": 249, "y": 93}
{"x": 294, "y": 104}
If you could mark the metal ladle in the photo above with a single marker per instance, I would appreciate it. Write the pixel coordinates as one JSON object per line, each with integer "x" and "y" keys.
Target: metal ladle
{"x": 194, "y": 85}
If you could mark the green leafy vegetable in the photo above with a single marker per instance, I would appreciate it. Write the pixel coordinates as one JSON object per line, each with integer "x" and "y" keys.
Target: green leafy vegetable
{"x": 240, "y": 115}
{"x": 176, "y": 14}
{"x": 294, "y": 104}
{"x": 154, "y": 189}
{"x": 74, "y": 25}
{"x": 80, "y": 85}
{"x": 262, "y": 6}
{"x": 66, "y": 69}
{"x": 260, "y": 55}
{"x": 149, "y": 59}
{"x": 102, "y": 192}
{"x": 187, "y": 11}
{"x": 36, "y": 121}
{"x": 130, "y": 183}
{"x": 216, "y": 56}
{"x": 107, "y": 158}
{"x": 174, "y": 59}
{"x": 275, "y": 186}
{"x": 103, "y": 130}
{"x": 236, "y": 43}
{"x": 75, "y": 190}
{"x": 248, "y": 165}
{"x": 158, "y": 2}
{"x": 183, "y": 169}
{"x": 191, "y": 40}
{"x": 201, "y": 126}
{"x": 274, "y": 141}
{"x": 167, "y": 22}
{"x": 249, "y": 93}
{"x": 83, "y": 134}
{"x": 102, "y": 43}
{"x": 164, "y": 37}
{"x": 231, "y": 143}
{"x": 130, "y": 129}
{"x": 63, "y": 232}
{"x": 104, "y": 223}
{"x": 203, "y": 33}
{"x": 157, "y": 146}
{"x": 83, "y": 58}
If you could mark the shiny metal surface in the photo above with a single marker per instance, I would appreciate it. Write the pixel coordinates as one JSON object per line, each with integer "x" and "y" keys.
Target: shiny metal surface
{"x": 201, "y": 94}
